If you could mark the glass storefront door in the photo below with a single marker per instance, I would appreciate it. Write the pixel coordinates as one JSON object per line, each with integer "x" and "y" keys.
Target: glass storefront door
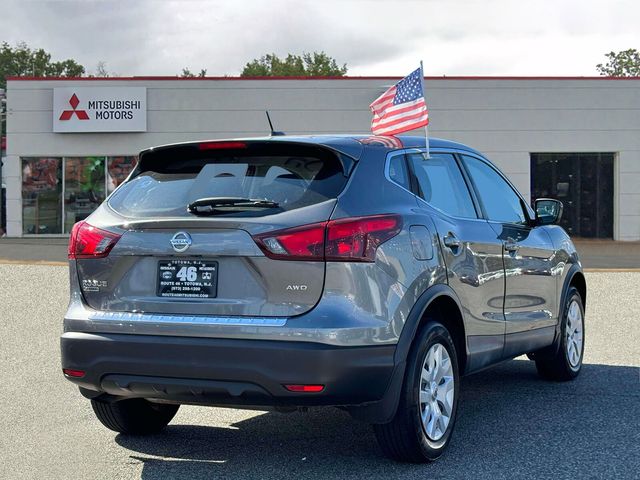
{"x": 41, "y": 195}
{"x": 84, "y": 188}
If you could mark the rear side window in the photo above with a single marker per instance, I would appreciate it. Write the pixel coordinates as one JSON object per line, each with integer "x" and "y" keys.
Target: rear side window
{"x": 291, "y": 176}
{"x": 442, "y": 185}
{"x": 398, "y": 171}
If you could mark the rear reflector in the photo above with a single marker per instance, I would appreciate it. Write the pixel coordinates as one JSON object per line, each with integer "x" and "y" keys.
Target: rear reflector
{"x": 305, "y": 388}
{"x": 73, "y": 373}
{"x": 221, "y": 145}
{"x": 87, "y": 241}
{"x": 344, "y": 240}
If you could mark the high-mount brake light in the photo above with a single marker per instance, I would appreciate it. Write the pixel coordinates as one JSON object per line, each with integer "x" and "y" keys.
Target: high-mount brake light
{"x": 221, "y": 145}
{"x": 344, "y": 240}
{"x": 87, "y": 241}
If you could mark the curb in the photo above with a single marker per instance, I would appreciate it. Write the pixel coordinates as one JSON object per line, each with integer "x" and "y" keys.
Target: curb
{"x": 7, "y": 261}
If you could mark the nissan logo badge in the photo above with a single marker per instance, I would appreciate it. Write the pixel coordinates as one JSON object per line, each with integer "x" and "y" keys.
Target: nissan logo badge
{"x": 181, "y": 241}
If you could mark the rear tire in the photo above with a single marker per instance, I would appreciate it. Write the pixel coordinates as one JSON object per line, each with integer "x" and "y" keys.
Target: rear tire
{"x": 136, "y": 415}
{"x": 422, "y": 426}
{"x": 563, "y": 361}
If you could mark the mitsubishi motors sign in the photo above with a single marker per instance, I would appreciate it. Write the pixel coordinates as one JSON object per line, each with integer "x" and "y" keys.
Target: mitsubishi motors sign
{"x": 99, "y": 109}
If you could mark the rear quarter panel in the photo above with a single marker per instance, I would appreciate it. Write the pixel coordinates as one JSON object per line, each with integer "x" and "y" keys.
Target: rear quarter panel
{"x": 564, "y": 258}
{"x": 389, "y": 288}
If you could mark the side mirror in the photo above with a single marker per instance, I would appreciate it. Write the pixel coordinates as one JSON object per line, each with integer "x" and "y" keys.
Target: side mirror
{"x": 548, "y": 211}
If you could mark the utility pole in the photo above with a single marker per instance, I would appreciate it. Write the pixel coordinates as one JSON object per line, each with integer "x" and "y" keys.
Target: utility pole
{"x": 2, "y": 206}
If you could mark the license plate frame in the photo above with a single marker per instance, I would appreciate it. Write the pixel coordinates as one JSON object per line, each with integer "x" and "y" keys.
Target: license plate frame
{"x": 187, "y": 278}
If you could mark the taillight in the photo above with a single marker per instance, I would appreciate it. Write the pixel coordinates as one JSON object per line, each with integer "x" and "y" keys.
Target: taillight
{"x": 299, "y": 243}
{"x": 344, "y": 240}
{"x": 357, "y": 239}
{"x": 87, "y": 241}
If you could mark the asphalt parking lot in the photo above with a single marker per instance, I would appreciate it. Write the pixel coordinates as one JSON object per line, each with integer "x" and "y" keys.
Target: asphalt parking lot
{"x": 511, "y": 424}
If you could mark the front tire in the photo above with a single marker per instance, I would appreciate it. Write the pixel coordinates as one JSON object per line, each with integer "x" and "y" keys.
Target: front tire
{"x": 422, "y": 426}
{"x": 135, "y": 416}
{"x": 564, "y": 361}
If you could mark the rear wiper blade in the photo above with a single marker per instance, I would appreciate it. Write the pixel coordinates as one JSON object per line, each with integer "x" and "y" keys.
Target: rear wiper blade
{"x": 219, "y": 204}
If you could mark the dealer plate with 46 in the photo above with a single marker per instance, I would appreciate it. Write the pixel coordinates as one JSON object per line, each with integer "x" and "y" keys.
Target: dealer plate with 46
{"x": 187, "y": 278}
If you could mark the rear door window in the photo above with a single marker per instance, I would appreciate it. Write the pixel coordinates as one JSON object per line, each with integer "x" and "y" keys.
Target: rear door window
{"x": 288, "y": 176}
{"x": 441, "y": 184}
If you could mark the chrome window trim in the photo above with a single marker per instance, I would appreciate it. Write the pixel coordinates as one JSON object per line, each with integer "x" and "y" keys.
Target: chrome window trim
{"x": 120, "y": 317}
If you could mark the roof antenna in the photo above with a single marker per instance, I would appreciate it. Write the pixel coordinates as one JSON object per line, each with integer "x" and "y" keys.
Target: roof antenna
{"x": 273, "y": 132}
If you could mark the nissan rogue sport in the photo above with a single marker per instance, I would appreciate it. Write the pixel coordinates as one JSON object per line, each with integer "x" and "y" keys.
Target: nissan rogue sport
{"x": 360, "y": 272}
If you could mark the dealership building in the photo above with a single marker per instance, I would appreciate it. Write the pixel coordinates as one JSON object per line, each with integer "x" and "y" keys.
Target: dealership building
{"x": 70, "y": 142}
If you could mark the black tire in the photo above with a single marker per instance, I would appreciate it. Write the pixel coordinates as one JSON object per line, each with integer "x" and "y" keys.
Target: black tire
{"x": 553, "y": 363}
{"x": 136, "y": 415}
{"x": 404, "y": 438}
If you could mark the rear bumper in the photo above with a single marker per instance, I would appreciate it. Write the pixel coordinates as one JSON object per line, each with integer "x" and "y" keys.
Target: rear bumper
{"x": 234, "y": 372}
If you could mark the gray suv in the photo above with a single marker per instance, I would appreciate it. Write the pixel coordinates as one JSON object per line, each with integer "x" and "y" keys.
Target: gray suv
{"x": 291, "y": 272}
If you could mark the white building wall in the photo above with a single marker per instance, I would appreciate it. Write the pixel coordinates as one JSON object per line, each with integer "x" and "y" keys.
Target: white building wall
{"x": 507, "y": 119}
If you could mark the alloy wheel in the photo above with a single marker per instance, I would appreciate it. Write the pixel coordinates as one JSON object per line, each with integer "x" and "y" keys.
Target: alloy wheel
{"x": 574, "y": 334}
{"x": 437, "y": 390}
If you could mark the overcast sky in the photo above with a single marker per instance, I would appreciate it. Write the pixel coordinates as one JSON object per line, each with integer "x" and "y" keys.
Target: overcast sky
{"x": 373, "y": 37}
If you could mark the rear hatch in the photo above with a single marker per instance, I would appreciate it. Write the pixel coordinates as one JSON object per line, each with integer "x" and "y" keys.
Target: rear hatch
{"x": 188, "y": 232}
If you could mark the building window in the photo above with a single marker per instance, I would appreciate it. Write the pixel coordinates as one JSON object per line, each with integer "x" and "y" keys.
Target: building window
{"x": 118, "y": 169}
{"x": 58, "y": 192}
{"x": 583, "y": 182}
{"x": 41, "y": 195}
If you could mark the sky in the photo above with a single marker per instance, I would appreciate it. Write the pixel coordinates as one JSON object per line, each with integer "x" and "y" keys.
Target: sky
{"x": 373, "y": 37}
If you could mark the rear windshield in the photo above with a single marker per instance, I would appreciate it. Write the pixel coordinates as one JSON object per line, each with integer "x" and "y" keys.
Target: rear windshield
{"x": 291, "y": 176}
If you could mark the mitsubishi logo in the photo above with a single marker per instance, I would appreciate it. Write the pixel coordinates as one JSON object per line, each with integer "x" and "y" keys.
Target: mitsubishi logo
{"x": 67, "y": 114}
{"x": 181, "y": 241}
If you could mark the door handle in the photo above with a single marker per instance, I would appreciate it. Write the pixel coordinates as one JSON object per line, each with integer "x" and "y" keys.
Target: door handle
{"x": 452, "y": 243}
{"x": 511, "y": 246}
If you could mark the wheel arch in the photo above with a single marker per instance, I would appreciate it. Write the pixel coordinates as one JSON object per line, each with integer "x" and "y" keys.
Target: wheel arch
{"x": 441, "y": 304}
{"x": 438, "y": 300}
{"x": 575, "y": 278}
{"x": 579, "y": 281}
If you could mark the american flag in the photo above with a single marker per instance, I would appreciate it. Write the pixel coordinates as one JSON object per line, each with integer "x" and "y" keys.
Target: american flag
{"x": 401, "y": 108}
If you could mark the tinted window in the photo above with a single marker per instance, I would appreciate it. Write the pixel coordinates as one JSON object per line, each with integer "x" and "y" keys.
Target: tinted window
{"x": 398, "y": 171}
{"x": 294, "y": 178}
{"x": 442, "y": 185}
{"x": 499, "y": 200}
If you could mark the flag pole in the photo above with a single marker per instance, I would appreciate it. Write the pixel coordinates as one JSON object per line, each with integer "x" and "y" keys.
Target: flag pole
{"x": 426, "y": 127}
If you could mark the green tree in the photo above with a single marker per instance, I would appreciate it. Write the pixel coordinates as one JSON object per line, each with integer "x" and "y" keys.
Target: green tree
{"x": 316, "y": 64}
{"x": 621, "y": 64}
{"x": 21, "y": 60}
{"x": 186, "y": 73}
